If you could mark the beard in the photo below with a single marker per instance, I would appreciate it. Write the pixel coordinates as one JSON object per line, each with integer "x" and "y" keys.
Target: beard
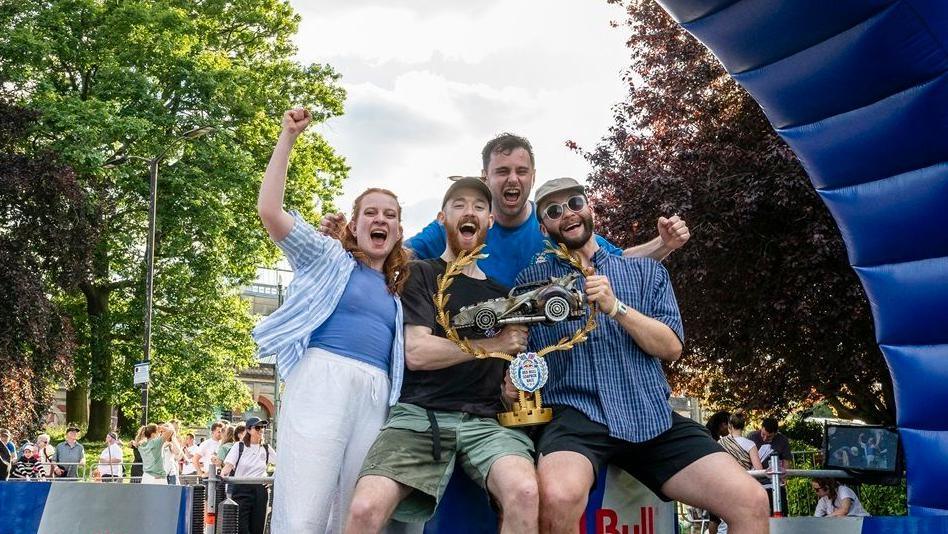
{"x": 574, "y": 243}
{"x": 454, "y": 234}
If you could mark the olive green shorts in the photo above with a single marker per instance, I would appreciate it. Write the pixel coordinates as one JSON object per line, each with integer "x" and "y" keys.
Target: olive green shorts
{"x": 405, "y": 451}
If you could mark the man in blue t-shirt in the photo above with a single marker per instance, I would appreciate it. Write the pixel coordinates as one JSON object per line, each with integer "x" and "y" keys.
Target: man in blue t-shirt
{"x": 515, "y": 239}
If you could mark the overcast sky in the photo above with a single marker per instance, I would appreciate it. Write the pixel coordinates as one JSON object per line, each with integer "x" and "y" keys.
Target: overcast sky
{"x": 430, "y": 81}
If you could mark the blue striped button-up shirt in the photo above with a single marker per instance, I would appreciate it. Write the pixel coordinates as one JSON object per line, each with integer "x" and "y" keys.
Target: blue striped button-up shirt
{"x": 609, "y": 378}
{"x": 322, "y": 268}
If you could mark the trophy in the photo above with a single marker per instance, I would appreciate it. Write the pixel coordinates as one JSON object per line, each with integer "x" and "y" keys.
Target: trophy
{"x": 551, "y": 301}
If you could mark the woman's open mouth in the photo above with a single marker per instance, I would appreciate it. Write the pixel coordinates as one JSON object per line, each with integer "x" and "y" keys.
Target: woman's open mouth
{"x": 378, "y": 236}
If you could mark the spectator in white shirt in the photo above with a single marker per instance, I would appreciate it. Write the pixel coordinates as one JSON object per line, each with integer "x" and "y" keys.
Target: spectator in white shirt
{"x": 46, "y": 454}
{"x": 250, "y": 458}
{"x": 187, "y": 466}
{"x": 171, "y": 453}
{"x": 206, "y": 450}
{"x": 110, "y": 459}
{"x": 836, "y": 500}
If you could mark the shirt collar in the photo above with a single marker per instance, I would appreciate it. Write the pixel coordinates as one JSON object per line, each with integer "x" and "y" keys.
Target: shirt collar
{"x": 600, "y": 258}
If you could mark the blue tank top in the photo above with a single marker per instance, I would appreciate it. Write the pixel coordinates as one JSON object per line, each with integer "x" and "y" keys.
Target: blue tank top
{"x": 362, "y": 326}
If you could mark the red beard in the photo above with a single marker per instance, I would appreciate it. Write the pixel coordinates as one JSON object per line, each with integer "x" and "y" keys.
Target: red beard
{"x": 453, "y": 235}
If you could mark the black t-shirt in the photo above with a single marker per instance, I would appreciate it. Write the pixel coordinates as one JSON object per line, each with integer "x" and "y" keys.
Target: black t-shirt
{"x": 474, "y": 386}
{"x": 779, "y": 445}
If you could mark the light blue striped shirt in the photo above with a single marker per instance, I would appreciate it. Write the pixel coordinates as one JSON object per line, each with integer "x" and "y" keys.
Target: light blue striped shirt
{"x": 609, "y": 378}
{"x": 322, "y": 268}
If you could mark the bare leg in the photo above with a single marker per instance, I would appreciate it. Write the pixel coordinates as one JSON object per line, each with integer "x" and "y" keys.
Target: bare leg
{"x": 373, "y": 503}
{"x": 565, "y": 478}
{"x": 513, "y": 483}
{"x": 737, "y": 498}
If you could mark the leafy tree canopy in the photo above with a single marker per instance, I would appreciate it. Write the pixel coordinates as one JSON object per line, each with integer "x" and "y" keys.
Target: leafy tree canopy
{"x": 118, "y": 80}
{"x": 775, "y": 318}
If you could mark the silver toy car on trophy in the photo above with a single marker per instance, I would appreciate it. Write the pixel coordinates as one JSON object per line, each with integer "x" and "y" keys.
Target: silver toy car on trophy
{"x": 551, "y": 302}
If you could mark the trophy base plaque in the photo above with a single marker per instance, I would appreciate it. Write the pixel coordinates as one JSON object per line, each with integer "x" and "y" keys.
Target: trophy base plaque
{"x": 525, "y": 414}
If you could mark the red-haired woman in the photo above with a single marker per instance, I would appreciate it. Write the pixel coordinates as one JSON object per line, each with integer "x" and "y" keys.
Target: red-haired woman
{"x": 338, "y": 342}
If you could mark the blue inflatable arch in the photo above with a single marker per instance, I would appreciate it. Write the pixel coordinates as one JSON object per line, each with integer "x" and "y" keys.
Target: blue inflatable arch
{"x": 859, "y": 90}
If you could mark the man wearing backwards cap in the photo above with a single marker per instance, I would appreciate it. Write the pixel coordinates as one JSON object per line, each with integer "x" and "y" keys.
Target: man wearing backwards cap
{"x": 446, "y": 416}
{"x": 609, "y": 395}
{"x": 515, "y": 239}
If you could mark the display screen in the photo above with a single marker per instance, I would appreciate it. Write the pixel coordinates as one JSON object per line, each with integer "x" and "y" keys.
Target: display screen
{"x": 861, "y": 447}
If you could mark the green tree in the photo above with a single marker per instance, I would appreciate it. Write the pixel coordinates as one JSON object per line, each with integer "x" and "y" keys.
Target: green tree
{"x": 774, "y": 316}
{"x": 120, "y": 79}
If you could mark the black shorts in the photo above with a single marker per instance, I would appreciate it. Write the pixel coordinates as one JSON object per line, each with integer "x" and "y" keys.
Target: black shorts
{"x": 652, "y": 462}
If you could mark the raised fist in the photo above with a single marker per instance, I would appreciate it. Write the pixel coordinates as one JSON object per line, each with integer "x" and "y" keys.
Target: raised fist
{"x": 673, "y": 232}
{"x": 296, "y": 120}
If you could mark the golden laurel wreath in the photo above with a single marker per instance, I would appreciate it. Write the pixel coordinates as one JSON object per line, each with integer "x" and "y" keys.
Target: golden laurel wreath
{"x": 466, "y": 258}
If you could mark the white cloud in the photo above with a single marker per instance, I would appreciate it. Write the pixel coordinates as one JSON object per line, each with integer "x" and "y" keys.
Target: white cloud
{"x": 430, "y": 82}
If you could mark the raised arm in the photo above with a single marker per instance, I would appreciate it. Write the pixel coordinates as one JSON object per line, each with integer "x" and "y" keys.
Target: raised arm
{"x": 270, "y": 201}
{"x": 673, "y": 233}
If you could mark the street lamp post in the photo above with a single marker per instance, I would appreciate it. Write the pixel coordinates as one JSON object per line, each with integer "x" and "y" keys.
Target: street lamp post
{"x": 150, "y": 244}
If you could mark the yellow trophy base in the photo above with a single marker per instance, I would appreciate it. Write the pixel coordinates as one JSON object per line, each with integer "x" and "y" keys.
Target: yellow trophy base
{"x": 526, "y": 414}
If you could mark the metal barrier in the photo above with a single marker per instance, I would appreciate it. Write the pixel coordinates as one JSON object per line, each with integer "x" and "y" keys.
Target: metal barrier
{"x": 776, "y": 473}
{"x": 40, "y": 470}
{"x": 216, "y": 515}
{"x": 86, "y": 475}
{"x": 697, "y": 520}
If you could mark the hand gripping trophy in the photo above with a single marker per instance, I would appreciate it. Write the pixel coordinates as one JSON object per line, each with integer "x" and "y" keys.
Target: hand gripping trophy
{"x": 553, "y": 301}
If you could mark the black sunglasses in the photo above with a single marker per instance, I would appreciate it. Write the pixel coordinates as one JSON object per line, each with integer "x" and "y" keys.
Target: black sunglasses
{"x": 575, "y": 204}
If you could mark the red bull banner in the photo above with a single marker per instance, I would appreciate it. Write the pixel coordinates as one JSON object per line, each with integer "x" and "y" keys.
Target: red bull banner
{"x": 619, "y": 504}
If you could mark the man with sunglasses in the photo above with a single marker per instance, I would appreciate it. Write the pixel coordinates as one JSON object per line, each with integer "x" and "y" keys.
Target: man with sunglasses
{"x": 515, "y": 238}
{"x": 609, "y": 395}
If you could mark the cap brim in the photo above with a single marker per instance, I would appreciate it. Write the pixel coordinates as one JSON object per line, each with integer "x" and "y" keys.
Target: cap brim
{"x": 575, "y": 189}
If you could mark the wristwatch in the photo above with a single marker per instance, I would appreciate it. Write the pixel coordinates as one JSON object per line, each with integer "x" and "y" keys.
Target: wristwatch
{"x": 619, "y": 308}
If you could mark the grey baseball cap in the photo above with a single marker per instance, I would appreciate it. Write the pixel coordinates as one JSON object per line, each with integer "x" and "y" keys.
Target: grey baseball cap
{"x": 555, "y": 186}
{"x": 466, "y": 182}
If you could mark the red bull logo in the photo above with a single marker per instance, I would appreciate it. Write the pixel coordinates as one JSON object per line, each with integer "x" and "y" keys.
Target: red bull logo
{"x": 607, "y": 522}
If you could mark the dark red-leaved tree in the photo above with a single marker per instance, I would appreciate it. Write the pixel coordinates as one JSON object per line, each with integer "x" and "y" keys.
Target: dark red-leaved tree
{"x": 774, "y": 316}
{"x": 44, "y": 240}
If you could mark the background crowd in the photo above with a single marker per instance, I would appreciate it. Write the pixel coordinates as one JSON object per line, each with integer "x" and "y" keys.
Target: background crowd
{"x": 753, "y": 451}
{"x": 161, "y": 454}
